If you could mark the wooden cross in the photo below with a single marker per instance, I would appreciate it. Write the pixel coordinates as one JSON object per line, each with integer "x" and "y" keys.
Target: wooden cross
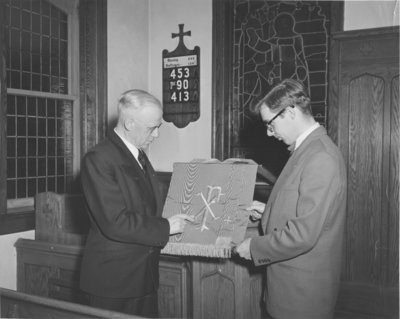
{"x": 181, "y": 34}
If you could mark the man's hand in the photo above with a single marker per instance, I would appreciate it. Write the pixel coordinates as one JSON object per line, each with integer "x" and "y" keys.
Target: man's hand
{"x": 177, "y": 223}
{"x": 243, "y": 249}
{"x": 256, "y": 210}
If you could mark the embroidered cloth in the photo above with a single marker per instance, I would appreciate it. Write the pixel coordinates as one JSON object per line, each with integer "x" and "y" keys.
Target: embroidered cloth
{"x": 216, "y": 194}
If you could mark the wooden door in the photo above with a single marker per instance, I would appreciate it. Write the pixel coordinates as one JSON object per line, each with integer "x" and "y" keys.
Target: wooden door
{"x": 364, "y": 121}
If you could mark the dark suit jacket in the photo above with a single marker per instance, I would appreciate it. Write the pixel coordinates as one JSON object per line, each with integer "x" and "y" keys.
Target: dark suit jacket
{"x": 303, "y": 225}
{"x": 127, "y": 231}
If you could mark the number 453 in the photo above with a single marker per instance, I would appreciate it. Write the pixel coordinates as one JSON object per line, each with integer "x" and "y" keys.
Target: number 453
{"x": 179, "y": 73}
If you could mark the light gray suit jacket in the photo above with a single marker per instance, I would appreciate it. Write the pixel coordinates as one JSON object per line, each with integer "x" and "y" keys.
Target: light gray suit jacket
{"x": 303, "y": 225}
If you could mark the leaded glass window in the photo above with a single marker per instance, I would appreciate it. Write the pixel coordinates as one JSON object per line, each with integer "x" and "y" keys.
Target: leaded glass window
{"x": 40, "y": 106}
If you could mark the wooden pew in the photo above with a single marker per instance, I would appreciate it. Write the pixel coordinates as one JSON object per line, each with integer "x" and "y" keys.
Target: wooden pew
{"x": 15, "y": 304}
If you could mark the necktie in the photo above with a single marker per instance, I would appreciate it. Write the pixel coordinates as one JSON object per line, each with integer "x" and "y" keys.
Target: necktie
{"x": 142, "y": 160}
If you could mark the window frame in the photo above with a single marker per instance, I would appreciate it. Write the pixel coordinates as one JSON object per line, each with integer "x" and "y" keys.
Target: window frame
{"x": 87, "y": 87}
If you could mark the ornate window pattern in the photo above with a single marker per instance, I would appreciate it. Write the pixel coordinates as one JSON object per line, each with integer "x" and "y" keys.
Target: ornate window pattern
{"x": 273, "y": 40}
{"x": 277, "y": 40}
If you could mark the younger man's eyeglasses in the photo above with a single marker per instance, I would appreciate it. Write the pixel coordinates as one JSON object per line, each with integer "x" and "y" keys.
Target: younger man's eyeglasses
{"x": 269, "y": 126}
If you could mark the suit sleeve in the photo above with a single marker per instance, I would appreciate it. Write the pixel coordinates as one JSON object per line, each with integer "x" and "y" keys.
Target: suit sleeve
{"x": 108, "y": 210}
{"x": 313, "y": 208}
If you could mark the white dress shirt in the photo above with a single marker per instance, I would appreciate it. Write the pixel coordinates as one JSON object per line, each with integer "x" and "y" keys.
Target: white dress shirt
{"x": 132, "y": 148}
{"x": 303, "y": 136}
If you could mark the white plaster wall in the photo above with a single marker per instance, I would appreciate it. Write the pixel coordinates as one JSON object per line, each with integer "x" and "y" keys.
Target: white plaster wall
{"x": 370, "y": 14}
{"x": 127, "y": 52}
{"x": 8, "y": 260}
{"x": 193, "y": 141}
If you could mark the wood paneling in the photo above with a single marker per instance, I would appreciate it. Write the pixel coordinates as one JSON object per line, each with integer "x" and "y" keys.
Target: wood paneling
{"x": 93, "y": 76}
{"x": 219, "y": 278}
{"x": 222, "y": 78}
{"x": 227, "y": 288}
{"x": 39, "y": 264}
{"x": 61, "y": 219}
{"x": 3, "y": 112}
{"x": 364, "y": 168}
{"x": 364, "y": 121}
{"x": 392, "y": 191}
{"x": 174, "y": 294}
{"x": 52, "y": 270}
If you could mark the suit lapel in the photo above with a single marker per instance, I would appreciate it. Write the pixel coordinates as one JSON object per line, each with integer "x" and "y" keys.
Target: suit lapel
{"x": 153, "y": 182}
{"x": 129, "y": 161}
{"x": 287, "y": 171}
{"x": 278, "y": 184}
{"x": 316, "y": 134}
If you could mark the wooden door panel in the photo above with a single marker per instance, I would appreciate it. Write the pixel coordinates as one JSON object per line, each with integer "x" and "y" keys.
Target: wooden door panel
{"x": 174, "y": 293}
{"x": 392, "y": 191}
{"x": 366, "y": 99}
{"x": 364, "y": 89}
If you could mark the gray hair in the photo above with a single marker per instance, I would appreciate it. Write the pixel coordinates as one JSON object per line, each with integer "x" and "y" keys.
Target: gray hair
{"x": 135, "y": 100}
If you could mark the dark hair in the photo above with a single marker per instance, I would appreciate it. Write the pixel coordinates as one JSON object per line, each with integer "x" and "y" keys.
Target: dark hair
{"x": 286, "y": 93}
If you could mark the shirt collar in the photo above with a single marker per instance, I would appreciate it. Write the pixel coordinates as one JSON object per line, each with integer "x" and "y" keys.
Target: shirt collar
{"x": 304, "y": 135}
{"x": 132, "y": 148}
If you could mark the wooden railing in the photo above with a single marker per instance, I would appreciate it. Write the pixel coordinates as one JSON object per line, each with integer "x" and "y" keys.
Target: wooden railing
{"x": 15, "y": 304}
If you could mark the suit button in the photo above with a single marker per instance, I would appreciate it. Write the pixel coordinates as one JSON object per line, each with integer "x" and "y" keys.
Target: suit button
{"x": 275, "y": 229}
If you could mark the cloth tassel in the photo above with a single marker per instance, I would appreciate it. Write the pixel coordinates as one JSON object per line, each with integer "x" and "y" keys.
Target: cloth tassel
{"x": 190, "y": 249}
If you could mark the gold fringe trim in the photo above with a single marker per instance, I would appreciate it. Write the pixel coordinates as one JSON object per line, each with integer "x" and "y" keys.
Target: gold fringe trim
{"x": 189, "y": 249}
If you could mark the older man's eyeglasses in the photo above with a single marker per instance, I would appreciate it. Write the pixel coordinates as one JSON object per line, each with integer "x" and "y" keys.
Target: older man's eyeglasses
{"x": 153, "y": 128}
{"x": 269, "y": 126}
{"x": 150, "y": 129}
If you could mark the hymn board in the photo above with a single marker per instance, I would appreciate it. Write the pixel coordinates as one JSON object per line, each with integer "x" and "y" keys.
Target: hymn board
{"x": 181, "y": 82}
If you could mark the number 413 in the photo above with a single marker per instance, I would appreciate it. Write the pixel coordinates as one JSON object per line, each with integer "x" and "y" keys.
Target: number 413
{"x": 180, "y": 96}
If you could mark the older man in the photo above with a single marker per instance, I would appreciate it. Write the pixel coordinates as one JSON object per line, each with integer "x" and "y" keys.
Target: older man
{"x": 120, "y": 263}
